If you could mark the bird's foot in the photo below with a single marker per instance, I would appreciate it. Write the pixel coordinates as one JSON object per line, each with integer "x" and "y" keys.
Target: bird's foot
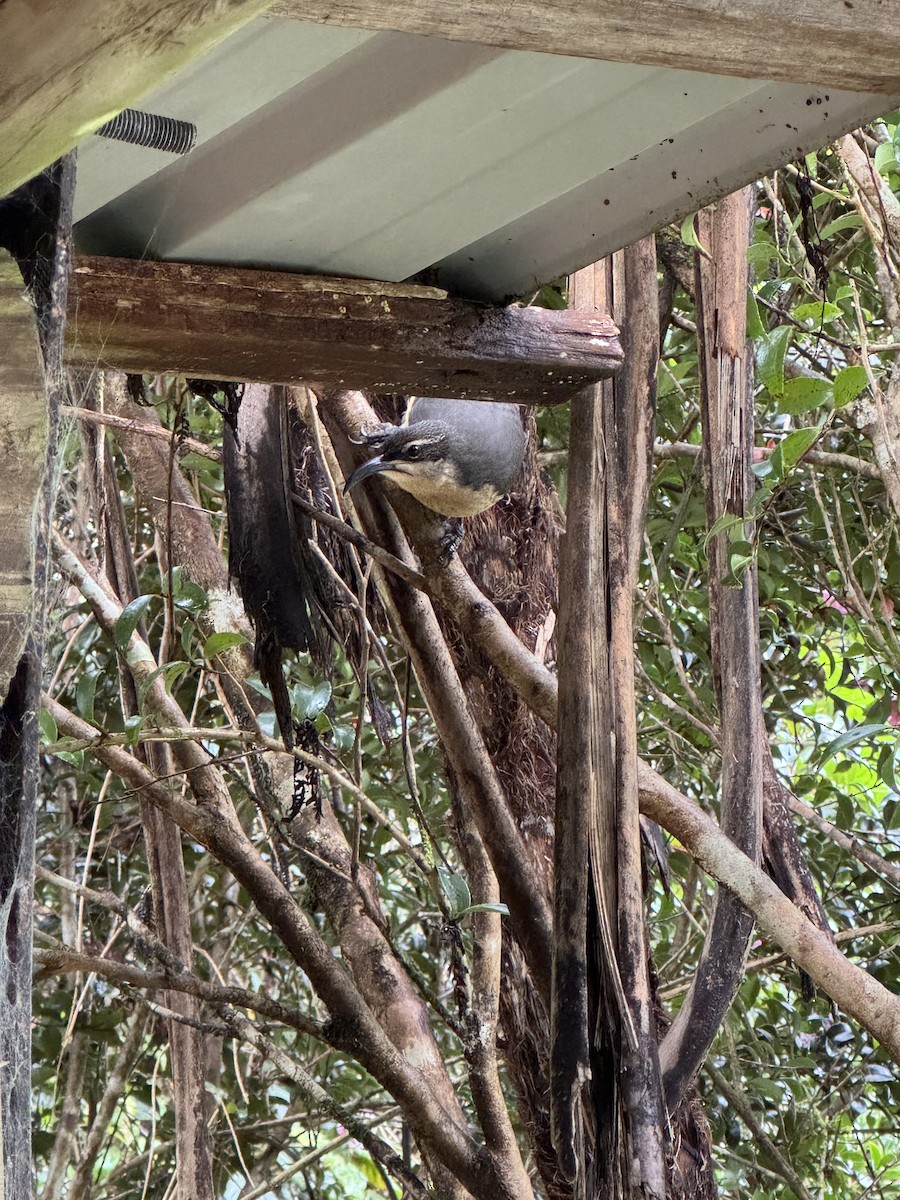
{"x": 374, "y": 438}
{"x": 450, "y": 540}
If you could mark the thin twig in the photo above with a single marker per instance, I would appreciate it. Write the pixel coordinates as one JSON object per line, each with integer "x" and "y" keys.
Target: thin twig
{"x": 187, "y": 444}
{"x": 361, "y": 542}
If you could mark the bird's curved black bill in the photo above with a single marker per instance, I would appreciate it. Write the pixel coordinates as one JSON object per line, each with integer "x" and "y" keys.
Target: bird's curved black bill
{"x": 365, "y": 471}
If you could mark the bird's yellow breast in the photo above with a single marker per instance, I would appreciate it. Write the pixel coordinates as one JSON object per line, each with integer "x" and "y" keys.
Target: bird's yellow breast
{"x": 439, "y": 490}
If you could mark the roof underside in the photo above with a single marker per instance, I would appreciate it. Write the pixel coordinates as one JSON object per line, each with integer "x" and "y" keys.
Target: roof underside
{"x": 336, "y": 151}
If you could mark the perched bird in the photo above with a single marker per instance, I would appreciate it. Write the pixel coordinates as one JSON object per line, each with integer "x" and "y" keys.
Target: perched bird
{"x": 457, "y": 457}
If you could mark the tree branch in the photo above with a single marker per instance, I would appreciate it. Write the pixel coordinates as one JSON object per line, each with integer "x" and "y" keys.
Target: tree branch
{"x": 352, "y": 1027}
{"x": 851, "y": 988}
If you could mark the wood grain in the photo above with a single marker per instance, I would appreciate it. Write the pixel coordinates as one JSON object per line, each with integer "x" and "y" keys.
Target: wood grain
{"x": 855, "y": 46}
{"x": 24, "y": 438}
{"x": 70, "y": 65}
{"x": 273, "y": 327}
{"x": 727, "y": 411}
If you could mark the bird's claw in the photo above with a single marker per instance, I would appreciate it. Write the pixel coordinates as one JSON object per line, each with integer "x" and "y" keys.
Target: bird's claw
{"x": 376, "y": 437}
{"x": 450, "y": 540}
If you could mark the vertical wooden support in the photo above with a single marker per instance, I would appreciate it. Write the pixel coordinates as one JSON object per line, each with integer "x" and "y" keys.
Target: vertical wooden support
{"x": 25, "y": 434}
{"x": 188, "y": 1045}
{"x": 602, "y": 1001}
{"x": 629, "y": 411}
{"x": 582, "y": 772}
{"x": 727, "y": 399}
{"x": 35, "y": 227}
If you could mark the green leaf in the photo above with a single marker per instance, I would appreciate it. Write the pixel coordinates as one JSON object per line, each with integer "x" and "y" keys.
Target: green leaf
{"x": 726, "y": 522}
{"x": 173, "y": 671}
{"x": 310, "y": 701}
{"x": 689, "y": 232}
{"x": 170, "y": 672}
{"x": 770, "y": 359}
{"x": 475, "y": 908}
{"x": 886, "y": 158}
{"x": 740, "y": 557}
{"x": 802, "y": 395}
{"x": 852, "y": 737}
{"x": 132, "y": 729}
{"x": 817, "y": 311}
{"x": 456, "y": 890}
{"x": 188, "y": 630}
{"x": 757, "y": 503}
{"x": 789, "y": 452}
{"x": 190, "y": 596}
{"x": 890, "y": 770}
{"x": 192, "y": 461}
{"x": 85, "y": 690}
{"x": 755, "y": 327}
{"x": 767, "y": 1088}
{"x": 128, "y": 621}
{"x": 74, "y": 757}
{"x": 848, "y": 384}
{"x": 760, "y": 254}
{"x": 48, "y": 728}
{"x": 223, "y": 640}
{"x": 847, "y": 221}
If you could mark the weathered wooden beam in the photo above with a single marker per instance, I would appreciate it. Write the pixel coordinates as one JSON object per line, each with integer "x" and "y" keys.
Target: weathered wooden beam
{"x": 70, "y": 65}
{"x": 26, "y": 432}
{"x": 217, "y": 322}
{"x": 833, "y": 42}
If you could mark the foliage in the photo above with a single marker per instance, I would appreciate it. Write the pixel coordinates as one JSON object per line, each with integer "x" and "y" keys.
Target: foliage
{"x": 826, "y": 549}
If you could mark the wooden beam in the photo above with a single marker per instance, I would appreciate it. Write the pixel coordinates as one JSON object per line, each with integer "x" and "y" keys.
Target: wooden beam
{"x": 218, "y": 322}
{"x": 70, "y": 65}
{"x": 26, "y": 433}
{"x": 854, "y": 46}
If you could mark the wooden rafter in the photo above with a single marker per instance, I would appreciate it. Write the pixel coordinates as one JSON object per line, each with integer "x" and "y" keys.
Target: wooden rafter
{"x": 217, "y": 322}
{"x": 70, "y": 65}
{"x": 854, "y": 46}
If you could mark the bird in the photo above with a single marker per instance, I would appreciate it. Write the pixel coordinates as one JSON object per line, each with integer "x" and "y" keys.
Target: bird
{"x": 457, "y": 457}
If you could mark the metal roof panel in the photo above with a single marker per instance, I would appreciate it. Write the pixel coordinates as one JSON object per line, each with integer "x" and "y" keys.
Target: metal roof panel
{"x": 330, "y": 150}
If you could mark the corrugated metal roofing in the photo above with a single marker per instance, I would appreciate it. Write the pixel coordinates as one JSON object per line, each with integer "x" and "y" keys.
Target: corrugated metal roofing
{"x": 379, "y": 155}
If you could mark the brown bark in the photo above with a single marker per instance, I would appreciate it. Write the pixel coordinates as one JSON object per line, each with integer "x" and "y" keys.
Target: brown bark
{"x": 598, "y": 821}
{"x": 584, "y": 824}
{"x": 878, "y": 414}
{"x": 354, "y": 912}
{"x": 25, "y": 433}
{"x": 727, "y": 400}
{"x": 631, "y": 297}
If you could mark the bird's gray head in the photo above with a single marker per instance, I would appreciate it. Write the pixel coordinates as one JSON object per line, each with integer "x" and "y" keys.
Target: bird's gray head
{"x": 456, "y": 457}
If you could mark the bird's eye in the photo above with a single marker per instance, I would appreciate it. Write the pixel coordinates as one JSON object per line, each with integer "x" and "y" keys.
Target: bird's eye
{"x": 414, "y": 450}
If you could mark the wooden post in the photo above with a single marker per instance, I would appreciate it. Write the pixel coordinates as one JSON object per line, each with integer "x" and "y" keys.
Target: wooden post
{"x": 582, "y": 774}
{"x": 599, "y": 898}
{"x": 727, "y": 400}
{"x": 35, "y": 228}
